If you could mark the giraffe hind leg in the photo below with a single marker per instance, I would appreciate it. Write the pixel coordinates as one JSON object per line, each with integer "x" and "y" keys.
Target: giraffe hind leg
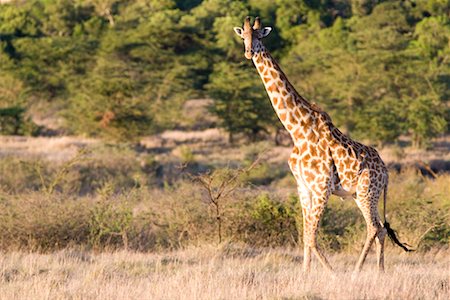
{"x": 379, "y": 240}
{"x": 368, "y": 206}
{"x": 362, "y": 258}
{"x": 321, "y": 257}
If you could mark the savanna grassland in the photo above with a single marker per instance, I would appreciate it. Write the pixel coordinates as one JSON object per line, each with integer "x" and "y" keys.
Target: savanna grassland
{"x": 108, "y": 221}
{"x": 217, "y": 272}
{"x": 140, "y": 157}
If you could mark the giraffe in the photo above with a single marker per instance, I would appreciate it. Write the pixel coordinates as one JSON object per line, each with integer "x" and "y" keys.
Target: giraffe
{"x": 324, "y": 161}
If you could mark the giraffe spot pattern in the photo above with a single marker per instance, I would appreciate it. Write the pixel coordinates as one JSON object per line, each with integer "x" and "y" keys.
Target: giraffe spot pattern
{"x": 323, "y": 160}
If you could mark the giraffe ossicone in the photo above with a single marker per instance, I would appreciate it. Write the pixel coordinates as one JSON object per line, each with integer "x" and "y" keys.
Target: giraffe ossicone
{"x": 324, "y": 161}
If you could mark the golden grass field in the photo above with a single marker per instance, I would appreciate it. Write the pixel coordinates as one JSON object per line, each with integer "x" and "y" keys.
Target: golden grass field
{"x": 218, "y": 272}
{"x": 87, "y": 226}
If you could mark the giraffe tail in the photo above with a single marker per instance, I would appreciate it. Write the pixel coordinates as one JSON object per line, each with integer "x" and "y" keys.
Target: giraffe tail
{"x": 391, "y": 232}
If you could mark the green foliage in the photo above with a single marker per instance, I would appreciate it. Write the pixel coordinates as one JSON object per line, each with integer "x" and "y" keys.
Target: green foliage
{"x": 275, "y": 220}
{"x": 147, "y": 219}
{"x": 111, "y": 167}
{"x": 13, "y": 122}
{"x": 372, "y": 72}
{"x": 243, "y": 108}
{"x": 186, "y": 155}
{"x": 122, "y": 69}
{"x": 104, "y": 202}
{"x": 109, "y": 222}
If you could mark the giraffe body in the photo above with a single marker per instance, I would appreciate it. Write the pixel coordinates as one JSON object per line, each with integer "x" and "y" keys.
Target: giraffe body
{"x": 324, "y": 161}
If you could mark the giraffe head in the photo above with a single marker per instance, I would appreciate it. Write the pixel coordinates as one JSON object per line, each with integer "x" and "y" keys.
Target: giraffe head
{"x": 252, "y": 36}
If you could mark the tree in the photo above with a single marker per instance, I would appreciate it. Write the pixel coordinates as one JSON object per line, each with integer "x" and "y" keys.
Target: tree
{"x": 239, "y": 100}
{"x": 140, "y": 78}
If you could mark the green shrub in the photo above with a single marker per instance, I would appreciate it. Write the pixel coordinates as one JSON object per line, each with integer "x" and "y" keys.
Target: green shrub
{"x": 82, "y": 174}
{"x": 148, "y": 219}
{"x": 13, "y": 122}
{"x": 272, "y": 222}
{"x": 109, "y": 224}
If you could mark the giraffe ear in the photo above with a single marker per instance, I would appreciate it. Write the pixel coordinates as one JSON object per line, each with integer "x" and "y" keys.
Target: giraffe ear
{"x": 238, "y": 31}
{"x": 265, "y": 32}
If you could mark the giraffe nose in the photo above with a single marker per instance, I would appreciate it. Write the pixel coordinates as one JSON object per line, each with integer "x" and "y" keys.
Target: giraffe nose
{"x": 248, "y": 54}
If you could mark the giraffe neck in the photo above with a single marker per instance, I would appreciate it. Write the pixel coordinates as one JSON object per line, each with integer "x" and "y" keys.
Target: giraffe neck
{"x": 294, "y": 112}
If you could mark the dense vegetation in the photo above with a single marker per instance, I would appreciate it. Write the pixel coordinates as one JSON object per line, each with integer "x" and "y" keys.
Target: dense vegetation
{"x": 122, "y": 69}
{"x": 115, "y": 201}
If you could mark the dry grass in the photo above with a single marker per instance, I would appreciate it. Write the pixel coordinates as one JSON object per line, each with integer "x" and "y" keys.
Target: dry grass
{"x": 210, "y": 145}
{"x": 209, "y": 272}
{"x": 51, "y": 148}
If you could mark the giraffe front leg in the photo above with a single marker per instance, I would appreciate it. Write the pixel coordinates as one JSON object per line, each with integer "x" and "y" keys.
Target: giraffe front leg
{"x": 311, "y": 228}
{"x": 306, "y": 258}
{"x": 305, "y": 201}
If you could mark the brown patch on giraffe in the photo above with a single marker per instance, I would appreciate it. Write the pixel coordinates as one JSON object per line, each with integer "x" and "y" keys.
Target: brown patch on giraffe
{"x": 292, "y": 161}
{"x": 281, "y": 105}
{"x": 308, "y": 121}
{"x": 272, "y": 88}
{"x": 275, "y": 101}
{"x": 322, "y": 152}
{"x": 313, "y": 150}
{"x": 298, "y": 134}
{"x": 266, "y": 79}
{"x": 349, "y": 150}
{"x": 303, "y": 111}
{"x": 306, "y": 158}
{"x": 266, "y": 72}
{"x": 280, "y": 83}
{"x": 340, "y": 152}
{"x": 292, "y": 119}
{"x": 349, "y": 174}
{"x": 303, "y": 148}
{"x": 314, "y": 164}
{"x": 274, "y": 74}
{"x": 289, "y": 127}
{"x": 312, "y": 136}
{"x": 290, "y": 103}
{"x": 261, "y": 68}
{"x": 259, "y": 59}
{"x": 295, "y": 150}
{"x": 283, "y": 117}
{"x": 322, "y": 186}
{"x": 284, "y": 93}
{"x": 323, "y": 144}
{"x": 297, "y": 113}
{"x": 309, "y": 176}
{"x": 320, "y": 129}
{"x": 347, "y": 162}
